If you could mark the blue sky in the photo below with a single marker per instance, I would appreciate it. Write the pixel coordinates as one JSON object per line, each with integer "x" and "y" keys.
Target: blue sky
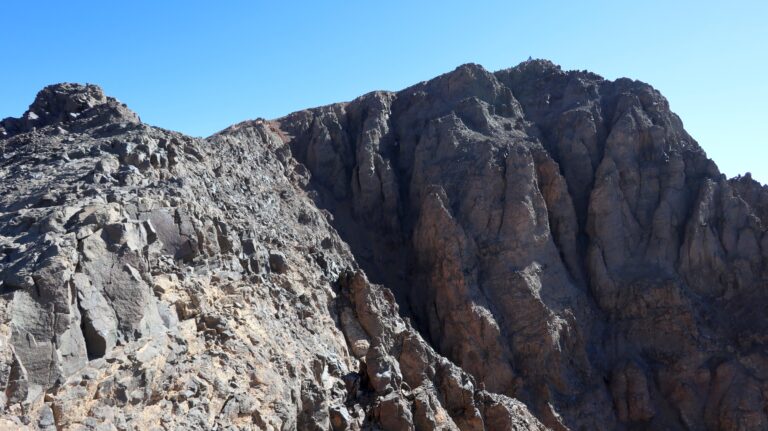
{"x": 198, "y": 67}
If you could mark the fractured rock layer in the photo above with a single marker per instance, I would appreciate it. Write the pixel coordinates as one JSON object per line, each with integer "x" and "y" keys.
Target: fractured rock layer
{"x": 155, "y": 281}
{"x": 546, "y": 249}
{"x": 558, "y": 236}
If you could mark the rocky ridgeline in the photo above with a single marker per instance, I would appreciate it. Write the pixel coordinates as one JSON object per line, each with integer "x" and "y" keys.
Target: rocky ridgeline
{"x": 545, "y": 249}
{"x": 151, "y": 280}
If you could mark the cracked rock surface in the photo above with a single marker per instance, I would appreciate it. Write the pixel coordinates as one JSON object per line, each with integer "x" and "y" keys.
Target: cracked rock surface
{"x": 527, "y": 249}
{"x": 149, "y": 280}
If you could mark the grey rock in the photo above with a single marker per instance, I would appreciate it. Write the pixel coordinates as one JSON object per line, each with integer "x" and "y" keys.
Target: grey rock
{"x": 46, "y": 420}
{"x": 99, "y": 320}
{"x": 526, "y": 249}
{"x": 546, "y": 211}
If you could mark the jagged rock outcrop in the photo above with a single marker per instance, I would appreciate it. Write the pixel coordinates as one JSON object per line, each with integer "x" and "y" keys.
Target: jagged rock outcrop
{"x": 545, "y": 249}
{"x": 558, "y": 236}
{"x": 70, "y": 107}
{"x": 149, "y": 280}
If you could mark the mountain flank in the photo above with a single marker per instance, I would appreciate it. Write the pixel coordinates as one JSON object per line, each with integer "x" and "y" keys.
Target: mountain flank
{"x": 525, "y": 249}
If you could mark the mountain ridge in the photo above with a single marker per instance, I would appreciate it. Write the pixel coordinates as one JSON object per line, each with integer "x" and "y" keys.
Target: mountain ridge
{"x": 557, "y": 236}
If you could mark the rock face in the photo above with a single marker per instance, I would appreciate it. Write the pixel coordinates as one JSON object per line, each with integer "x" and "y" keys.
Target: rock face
{"x": 545, "y": 249}
{"x": 149, "y": 280}
{"x": 558, "y": 236}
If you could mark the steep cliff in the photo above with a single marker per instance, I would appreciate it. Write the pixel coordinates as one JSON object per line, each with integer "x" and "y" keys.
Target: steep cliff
{"x": 544, "y": 249}
{"x": 558, "y": 236}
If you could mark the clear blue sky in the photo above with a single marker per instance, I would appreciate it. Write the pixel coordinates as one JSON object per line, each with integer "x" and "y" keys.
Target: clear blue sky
{"x": 198, "y": 67}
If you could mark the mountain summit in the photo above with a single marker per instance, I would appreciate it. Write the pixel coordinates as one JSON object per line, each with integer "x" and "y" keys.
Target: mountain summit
{"x": 69, "y": 106}
{"x": 525, "y": 249}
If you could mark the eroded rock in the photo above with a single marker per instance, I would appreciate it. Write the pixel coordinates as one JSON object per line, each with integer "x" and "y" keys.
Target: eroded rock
{"x": 525, "y": 249}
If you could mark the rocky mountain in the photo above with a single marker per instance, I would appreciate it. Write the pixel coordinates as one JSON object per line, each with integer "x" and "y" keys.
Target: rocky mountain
{"x": 527, "y": 249}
